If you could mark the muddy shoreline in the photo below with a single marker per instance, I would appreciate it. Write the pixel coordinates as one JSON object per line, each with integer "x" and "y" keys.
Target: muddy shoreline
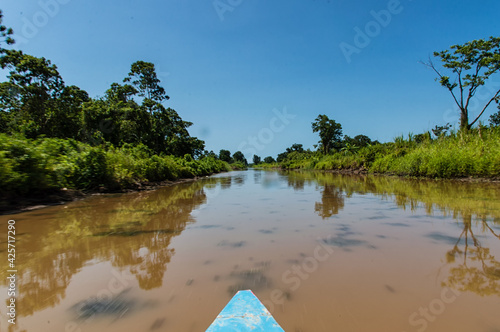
{"x": 364, "y": 171}
{"x": 13, "y": 204}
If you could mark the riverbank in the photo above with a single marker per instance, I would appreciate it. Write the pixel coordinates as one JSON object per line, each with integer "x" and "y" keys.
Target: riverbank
{"x": 13, "y": 203}
{"x": 49, "y": 171}
{"x": 475, "y": 155}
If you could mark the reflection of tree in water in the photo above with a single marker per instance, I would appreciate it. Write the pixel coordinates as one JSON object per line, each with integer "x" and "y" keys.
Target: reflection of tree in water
{"x": 257, "y": 176}
{"x": 239, "y": 179}
{"x": 296, "y": 183}
{"x": 332, "y": 200}
{"x": 225, "y": 182}
{"x": 132, "y": 232}
{"x": 475, "y": 269}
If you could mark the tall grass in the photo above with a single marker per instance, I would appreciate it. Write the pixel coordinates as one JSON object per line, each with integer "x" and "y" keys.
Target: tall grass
{"x": 472, "y": 154}
{"x": 49, "y": 163}
{"x": 458, "y": 155}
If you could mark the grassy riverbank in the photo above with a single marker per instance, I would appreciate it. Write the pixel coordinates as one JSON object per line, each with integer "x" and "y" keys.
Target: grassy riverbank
{"x": 457, "y": 155}
{"x": 29, "y": 166}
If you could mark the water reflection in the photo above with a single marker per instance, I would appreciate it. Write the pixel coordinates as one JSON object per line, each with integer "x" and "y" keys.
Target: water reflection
{"x": 134, "y": 232}
{"x": 254, "y": 278}
{"x": 472, "y": 266}
{"x": 479, "y": 200}
{"x": 131, "y": 231}
{"x": 332, "y": 200}
{"x": 476, "y": 205}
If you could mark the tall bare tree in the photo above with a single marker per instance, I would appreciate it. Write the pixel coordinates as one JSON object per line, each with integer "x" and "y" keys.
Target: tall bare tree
{"x": 471, "y": 64}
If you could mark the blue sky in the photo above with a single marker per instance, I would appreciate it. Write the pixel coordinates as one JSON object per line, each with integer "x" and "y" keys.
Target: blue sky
{"x": 253, "y": 74}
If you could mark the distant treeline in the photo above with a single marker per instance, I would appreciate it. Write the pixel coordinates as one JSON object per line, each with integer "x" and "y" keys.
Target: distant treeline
{"x": 442, "y": 154}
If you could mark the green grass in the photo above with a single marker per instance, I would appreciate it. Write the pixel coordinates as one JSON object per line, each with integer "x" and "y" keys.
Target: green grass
{"x": 28, "y": 166}
{"x": 475, "y": 154}
{"x": 448, "y": 157}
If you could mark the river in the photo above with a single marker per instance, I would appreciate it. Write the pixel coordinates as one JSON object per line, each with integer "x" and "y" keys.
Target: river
{"x": 324, "y": 252}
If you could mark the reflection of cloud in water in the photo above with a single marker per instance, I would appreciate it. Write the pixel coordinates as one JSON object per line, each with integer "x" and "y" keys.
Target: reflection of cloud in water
{"x": 225, "y": 243}
{"x": 442, "y": 238}
{"x": 207, "y": 226}
{"x": 390, "y": 289}
{"x": 253, "y": 278}
{"x": 378, "y": 215}
{"x": 397, "y": 224}
{"x": 343, "y": 241}
{"x": 115, "y": 307}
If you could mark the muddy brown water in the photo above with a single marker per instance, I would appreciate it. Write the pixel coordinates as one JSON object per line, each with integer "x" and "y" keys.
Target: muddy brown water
{"x": 324, "y": 252}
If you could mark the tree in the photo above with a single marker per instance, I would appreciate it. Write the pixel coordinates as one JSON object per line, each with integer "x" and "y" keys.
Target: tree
{"x": 143, "y": 77}
{"x": 5, "y": 34}
{"x": 31, "y": 94}
{"x": 145, "y": 80}
{"x": 471, "y": 64}
{"x": 330, "y": 132}
{"x": 358, "y": 141}
{"x": 66, "y": 120}
{"x": 419, "y": 138}
{"x": 117, "y": 118}
{"x": 362, "y": 140}
{"x": 439, "y": 131}
{"x": 294, "y": 148}
{"x": 495, "y": 119}
{"x": 170, "y": 134}
{"x": 281, "y": 157}
{"x": 210, "y": 154}
{"x": 256, "y": 160}
{"x": 349, "y": 148}
{"x": 269, "y": 160}
{"x": 238, "y": 156}
{"x": 225, "y": 155}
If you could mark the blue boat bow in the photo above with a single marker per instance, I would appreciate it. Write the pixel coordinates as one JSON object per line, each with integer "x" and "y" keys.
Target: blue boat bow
{"x": 245, "y": 313}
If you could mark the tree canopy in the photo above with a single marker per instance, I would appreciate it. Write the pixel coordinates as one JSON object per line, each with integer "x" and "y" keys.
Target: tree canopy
{"x": 471, "y": 65}
{"x": 36, "y": 102}
{"x": 5, "y": 34}
{"x": 330, "y": 132}
{"x": 143, "y": 77}
{"x": 238, "y": 156}
{"x": 225, "y": 155}
{"x": 294, "y": 148}
{"x": 269, "y": 160}
{"x": 495, "y": 119}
